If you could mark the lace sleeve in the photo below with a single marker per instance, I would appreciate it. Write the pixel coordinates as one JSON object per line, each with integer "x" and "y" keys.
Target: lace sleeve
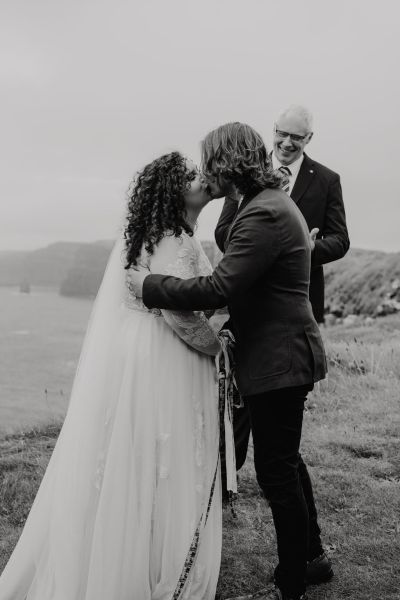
{"x": 180, "y": 257}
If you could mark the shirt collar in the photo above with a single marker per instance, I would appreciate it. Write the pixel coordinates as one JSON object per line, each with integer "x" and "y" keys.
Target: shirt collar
{"x": 294, "y": 167}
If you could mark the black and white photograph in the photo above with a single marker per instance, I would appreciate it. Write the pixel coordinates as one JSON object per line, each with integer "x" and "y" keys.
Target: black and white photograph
{"x": 199, "y": 300}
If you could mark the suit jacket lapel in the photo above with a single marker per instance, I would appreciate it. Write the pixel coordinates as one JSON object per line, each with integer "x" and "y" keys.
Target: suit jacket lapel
{"x": 303, "y": 179}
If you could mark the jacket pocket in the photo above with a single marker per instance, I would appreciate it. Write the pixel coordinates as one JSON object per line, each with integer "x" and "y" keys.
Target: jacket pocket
{"x": 270, "y": 354}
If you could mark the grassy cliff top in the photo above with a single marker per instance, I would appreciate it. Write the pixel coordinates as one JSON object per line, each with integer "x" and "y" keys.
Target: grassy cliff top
{"x": 351, "y": 442}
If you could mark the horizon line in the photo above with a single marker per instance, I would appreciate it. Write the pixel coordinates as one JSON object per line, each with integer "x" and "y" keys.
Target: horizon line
{"x": 112, "y": 240}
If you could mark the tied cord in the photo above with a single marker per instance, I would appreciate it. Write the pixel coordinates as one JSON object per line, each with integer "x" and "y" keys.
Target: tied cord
{"x": 228, "y": 398}
{"x": 194, "y": 546}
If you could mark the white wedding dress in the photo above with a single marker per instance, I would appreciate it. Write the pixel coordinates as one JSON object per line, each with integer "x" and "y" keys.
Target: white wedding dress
{"x": 121, "y": 513}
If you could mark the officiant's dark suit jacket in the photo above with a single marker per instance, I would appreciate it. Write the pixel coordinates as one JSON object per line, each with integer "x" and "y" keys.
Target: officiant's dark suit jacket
{"x": 263, "y": 277}
{"x": 318, "y": 194}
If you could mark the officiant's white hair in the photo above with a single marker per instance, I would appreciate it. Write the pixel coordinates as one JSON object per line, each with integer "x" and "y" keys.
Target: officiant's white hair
{"x": 299, "y": 111}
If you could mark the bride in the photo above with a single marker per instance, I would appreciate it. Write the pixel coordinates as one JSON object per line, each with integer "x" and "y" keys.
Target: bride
{"x": 130, "y": 504}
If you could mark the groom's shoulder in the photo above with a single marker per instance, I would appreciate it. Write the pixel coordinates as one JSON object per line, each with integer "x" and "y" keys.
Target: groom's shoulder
{"x": 271, "y": 199}
{"x": 268, "y": 206}
{"x": 271, "y": 207}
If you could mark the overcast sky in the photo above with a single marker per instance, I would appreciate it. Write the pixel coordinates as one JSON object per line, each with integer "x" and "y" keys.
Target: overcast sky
{"x": 92, "y": 90}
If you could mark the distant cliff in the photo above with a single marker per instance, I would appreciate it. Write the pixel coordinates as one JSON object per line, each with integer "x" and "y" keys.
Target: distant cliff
{"x": 364, "y": 282}
{"x": 52, "y": 266}
{"x": 45, "y": 266}
{"x": 84, "y": 277}
{"x": 76, "y": 269}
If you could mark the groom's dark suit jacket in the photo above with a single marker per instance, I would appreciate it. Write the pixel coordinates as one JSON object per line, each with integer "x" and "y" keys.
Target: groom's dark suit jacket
{"x": 318, "y": 194}
{"x": 264, "y": 279}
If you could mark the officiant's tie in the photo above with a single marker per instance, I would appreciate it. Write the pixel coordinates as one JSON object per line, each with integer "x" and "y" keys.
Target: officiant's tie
{"x": 286, "y": 171}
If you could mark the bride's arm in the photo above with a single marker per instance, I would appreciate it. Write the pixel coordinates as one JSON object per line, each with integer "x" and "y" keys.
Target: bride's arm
{"x": 178, "y": 257}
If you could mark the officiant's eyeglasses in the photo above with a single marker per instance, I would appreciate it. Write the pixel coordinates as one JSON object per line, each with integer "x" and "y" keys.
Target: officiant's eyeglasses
{"x": 293, "y": 136}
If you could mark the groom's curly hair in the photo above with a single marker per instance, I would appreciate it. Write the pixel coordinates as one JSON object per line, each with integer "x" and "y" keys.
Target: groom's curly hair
{"x": 156, "y": 204}
{"x": 237, "y": 153}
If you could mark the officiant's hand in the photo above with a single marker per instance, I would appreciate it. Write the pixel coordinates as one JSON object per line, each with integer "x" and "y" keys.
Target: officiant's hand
{"x": 313, "y": 236}
{"x": 136, "y": 277}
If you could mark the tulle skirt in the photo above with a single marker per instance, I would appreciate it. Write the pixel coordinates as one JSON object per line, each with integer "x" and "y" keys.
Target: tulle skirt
{"x": 129, "y": 479}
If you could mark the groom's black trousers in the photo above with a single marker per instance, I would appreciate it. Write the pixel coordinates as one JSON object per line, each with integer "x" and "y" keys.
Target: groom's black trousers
{"x": 275, "y": 419}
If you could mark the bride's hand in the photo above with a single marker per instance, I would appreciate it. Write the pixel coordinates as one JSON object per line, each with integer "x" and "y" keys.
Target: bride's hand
{"x": 136, "y": 277}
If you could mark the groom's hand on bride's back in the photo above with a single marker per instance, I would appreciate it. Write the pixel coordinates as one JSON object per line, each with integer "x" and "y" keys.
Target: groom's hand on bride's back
{"x": 136, "y": 278}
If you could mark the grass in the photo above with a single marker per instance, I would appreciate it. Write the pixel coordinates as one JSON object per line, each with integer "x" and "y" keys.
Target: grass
{"x": 24, "y": 457}
{"x": 351, "y": 442}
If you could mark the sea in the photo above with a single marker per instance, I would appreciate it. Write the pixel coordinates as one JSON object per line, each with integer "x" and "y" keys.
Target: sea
{"x": 41, "y": 335}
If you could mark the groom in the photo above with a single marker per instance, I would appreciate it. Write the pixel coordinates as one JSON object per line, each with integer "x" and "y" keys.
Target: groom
{"x": 264, "y": 279}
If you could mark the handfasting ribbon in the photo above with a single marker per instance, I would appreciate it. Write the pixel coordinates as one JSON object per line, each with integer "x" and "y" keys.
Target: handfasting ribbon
{"x": 194, "y": 546}
{"x": 228, "y": 398}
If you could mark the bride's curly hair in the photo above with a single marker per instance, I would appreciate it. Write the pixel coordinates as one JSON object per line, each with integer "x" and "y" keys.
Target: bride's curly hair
{"x": 237, "y": 153}
{"x": 156, "y": 204}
